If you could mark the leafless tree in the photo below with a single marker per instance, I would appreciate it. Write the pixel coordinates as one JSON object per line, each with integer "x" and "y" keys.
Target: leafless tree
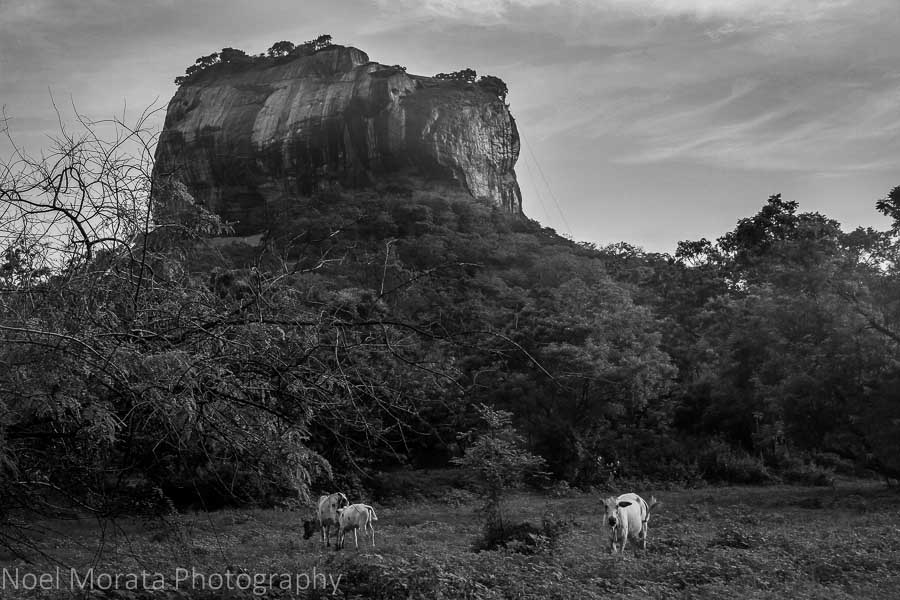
{"x": 88, "y": 193}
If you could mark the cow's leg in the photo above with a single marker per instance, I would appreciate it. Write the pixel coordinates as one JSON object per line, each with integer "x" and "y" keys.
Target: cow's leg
{"x": 355, "y": 539}
{"x": 644, "y": 535}
{"x": 624, "y": 540}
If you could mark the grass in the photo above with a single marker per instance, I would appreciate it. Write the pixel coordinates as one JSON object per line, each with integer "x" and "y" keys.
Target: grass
{"x": 730, "y": 542}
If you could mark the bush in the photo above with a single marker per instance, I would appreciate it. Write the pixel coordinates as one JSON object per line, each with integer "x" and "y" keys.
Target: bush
{"x": 833, "y": 462}
{"x": 808, "y": 474}
{"x": 523, "y": 538}
{"x": 561, "y": 489}
{"x": 720, "y": 462}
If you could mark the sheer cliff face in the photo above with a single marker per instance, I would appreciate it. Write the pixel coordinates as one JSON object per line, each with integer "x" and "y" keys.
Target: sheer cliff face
{"x": 242, "y": 139}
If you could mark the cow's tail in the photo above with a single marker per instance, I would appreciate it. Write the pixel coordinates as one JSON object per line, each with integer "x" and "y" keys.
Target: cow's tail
{"x": 372, "y": 512}
{"x": 653, "y": 502}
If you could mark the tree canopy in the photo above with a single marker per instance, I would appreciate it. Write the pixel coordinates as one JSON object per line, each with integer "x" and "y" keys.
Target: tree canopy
{"x": 236, "y": 58}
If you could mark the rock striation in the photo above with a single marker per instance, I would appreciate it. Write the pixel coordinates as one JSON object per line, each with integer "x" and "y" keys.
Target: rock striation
{"x": 242, "y": 138}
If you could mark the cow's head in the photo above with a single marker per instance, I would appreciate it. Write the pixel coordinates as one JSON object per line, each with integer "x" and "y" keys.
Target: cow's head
{"x": 309, "y": 528}
{"x": 339, "y": 501}
{"x": 611, "y": 511}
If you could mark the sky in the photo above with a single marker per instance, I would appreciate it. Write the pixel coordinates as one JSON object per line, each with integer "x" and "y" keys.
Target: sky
{"x": 645, "y": 121}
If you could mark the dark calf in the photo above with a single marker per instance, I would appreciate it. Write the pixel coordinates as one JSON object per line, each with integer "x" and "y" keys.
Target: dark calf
{"x": 310, "y": 527}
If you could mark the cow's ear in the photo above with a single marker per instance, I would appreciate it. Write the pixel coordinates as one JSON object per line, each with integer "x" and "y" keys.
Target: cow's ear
{"x": 624, "y": 503}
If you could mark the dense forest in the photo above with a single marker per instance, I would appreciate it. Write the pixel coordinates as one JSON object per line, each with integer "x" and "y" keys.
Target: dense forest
{"x": 148, "y": 360}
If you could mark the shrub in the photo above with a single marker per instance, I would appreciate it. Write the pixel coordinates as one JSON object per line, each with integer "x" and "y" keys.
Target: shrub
{"x": 522, "y": 538}
{"x": 834, "y": 462}
{"x": 808, "y": 474}
{"x": 720, "y": 462}
{"x": 561, "y": 489}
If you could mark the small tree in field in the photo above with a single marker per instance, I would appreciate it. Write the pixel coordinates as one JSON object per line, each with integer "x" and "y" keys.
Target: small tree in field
{"x": 500, "y": 460}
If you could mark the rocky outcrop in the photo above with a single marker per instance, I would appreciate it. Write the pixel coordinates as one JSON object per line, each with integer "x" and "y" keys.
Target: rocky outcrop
{"x": 242, "y": 138}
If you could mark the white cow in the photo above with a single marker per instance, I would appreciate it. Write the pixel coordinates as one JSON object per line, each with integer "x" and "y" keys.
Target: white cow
{"x": 355, "y": 517}
{"x": 328, "y": 511}
{"x": 627, "y": 516}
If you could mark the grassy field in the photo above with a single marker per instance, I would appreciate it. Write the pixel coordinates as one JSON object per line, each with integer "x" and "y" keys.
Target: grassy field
{"x": 732, "y": 542}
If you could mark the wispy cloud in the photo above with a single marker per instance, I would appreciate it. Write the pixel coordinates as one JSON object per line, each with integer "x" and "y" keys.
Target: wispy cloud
{"x": 820, "y": 128}
{"x": 752, "y": 10}
{"x": 800, "y": 85}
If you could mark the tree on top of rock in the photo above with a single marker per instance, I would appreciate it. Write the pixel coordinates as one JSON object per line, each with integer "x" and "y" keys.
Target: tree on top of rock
{"x": 281, "y": 48}
{"x": 467, "y": 75}
{"x": 494, "y": 85}
{"x": 234, "y": 56}
{"x": 312, "y": 46}
{"x": 207, "y": 61}
{"x": 323, "y": 41}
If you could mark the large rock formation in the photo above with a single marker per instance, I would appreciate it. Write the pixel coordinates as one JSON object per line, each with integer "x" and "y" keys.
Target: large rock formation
{"x": 241, "y": 137}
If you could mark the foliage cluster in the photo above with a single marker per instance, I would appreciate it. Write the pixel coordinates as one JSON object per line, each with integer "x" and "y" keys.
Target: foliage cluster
{"x": 235, "y": 58}
{"x": 466, "y": 75}
{"x": 785, "y": 334}
{"x": 491, "y": 83}
{"x": 533, "y": 323}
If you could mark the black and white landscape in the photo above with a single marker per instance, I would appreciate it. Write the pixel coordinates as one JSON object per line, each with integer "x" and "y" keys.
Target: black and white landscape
{"x": 449, "y": 299}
